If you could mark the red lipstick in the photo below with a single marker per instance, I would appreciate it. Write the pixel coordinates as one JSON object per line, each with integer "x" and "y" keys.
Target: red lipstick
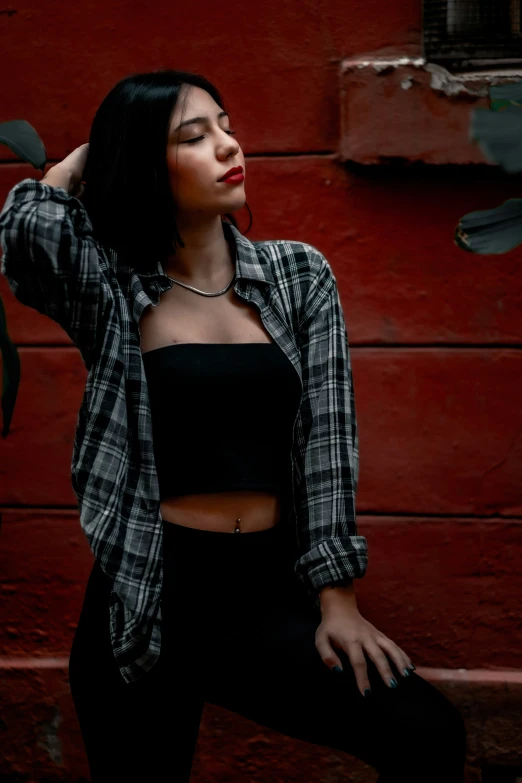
{"x": 233, "y": 176}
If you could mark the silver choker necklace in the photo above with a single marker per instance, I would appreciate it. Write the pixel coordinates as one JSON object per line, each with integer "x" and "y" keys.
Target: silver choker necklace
{"x": 204, "y": 293}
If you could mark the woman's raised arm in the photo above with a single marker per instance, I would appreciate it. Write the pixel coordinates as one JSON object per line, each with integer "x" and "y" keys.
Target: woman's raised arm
{"x": 50, "y": 258}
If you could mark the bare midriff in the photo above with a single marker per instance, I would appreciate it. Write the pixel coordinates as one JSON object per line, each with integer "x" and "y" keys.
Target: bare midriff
{"x": 219, "y": 511}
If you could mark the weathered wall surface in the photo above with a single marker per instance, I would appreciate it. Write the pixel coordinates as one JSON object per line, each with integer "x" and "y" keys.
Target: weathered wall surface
{"x": 435, "y": 337}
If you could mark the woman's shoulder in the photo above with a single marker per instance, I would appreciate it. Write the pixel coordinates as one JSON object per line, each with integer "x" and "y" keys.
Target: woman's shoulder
{"x": 301, "y": 271}
{"x": 303, "y": 258}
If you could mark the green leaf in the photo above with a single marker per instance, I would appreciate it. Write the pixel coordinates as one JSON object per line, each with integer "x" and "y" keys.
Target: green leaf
{"x": 505, "y": 95}
{"x": 499, "y": 135}
{"x": 23, "y": 140}
{"x": 491, "y": 231}
{"x": 10, "y": 372}
{"x": 501, "y": 105}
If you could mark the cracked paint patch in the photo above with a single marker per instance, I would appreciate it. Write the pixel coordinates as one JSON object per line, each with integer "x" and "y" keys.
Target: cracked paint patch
{"x": 49, "y": 740}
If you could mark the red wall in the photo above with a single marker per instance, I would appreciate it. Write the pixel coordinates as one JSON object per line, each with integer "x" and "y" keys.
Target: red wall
{"x": 435, "y": 337}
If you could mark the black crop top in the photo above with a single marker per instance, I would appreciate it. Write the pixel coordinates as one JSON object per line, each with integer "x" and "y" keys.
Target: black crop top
{"x": 222, "y": 416}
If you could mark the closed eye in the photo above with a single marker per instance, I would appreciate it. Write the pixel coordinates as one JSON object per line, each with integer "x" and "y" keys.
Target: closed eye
{"x": 193, "y": 141}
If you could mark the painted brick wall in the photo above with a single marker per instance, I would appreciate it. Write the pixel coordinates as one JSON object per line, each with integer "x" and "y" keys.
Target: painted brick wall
{"x": 435, "y": 337}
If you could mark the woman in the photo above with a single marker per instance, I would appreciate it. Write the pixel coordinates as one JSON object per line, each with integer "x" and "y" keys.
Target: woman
{"x": 219, "y": 400}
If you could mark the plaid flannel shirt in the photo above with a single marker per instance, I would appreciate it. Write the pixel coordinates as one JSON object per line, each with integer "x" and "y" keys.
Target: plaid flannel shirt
{"x": 53, "y": 264}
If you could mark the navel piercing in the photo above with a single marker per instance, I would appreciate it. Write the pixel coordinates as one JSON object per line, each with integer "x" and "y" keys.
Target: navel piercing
{"x": 238, "y": 522}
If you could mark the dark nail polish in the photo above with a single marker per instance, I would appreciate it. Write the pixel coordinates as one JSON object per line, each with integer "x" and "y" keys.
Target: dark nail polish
{"x": 367, "y": 692}
{"x": 337, "y": 669}
{"x": 406, "y": 672}
{"x": 412, "y": 667}
{"x": 393, "y": 682}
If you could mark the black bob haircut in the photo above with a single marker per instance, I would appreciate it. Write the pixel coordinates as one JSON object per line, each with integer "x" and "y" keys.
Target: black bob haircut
{"x": 127, "y": 192}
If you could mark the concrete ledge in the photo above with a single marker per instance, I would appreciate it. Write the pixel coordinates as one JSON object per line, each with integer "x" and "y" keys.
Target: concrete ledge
{"x": 482, "y": 676}
{"x": 403, "y": 107}
{"x": 42, "y": 739}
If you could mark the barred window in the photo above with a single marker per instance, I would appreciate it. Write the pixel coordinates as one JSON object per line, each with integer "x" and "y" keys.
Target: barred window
{"x": 467, "y": 34}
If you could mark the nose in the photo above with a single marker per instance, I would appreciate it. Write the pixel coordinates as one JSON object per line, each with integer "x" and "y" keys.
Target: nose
{"x": 230, "y": 145}
{"x": 231, "y": 149}
{"x": 229, "y": 155}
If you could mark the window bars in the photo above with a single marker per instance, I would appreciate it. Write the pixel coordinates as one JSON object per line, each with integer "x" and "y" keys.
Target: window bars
{"x": 467, "y": 34}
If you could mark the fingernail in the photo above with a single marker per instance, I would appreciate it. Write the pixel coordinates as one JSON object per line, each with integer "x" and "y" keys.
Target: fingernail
{"x": 393, "y": 682}
{"x": 412, "y": 667}
{"x": 406, "y": 672}
{"x": 367, "y": 692}
{"x": 337, "y": 669}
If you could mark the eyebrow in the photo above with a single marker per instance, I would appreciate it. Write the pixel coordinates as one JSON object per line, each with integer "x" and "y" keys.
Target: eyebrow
{"x": 195, "y": 120}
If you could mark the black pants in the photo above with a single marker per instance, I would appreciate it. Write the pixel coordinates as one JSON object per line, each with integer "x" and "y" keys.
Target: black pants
{"x": 239, "y": 632}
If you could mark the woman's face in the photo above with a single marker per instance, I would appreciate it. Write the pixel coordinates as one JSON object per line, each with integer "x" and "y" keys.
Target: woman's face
{"x": 199, "y": 153}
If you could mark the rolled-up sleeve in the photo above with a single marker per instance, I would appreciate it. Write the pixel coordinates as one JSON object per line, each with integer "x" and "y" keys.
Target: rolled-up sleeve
{"x": 51, "y": 261}
{"x": 330, "y": 550}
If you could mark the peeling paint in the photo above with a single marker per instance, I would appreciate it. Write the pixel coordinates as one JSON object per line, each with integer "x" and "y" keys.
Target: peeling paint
{"x": 450, "y": 84}
{"x": 381, "y": 63}
{"x": 49, "y": 739}
{"x": 473, "y": 83}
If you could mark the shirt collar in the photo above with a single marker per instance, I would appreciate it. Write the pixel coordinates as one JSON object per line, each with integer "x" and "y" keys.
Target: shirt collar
{"x": 250, "y": 264}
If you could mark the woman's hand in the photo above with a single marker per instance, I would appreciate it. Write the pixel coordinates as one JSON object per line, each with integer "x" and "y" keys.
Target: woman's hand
{"x": 342, "y": 626}
{"x": 68, "y": 173}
